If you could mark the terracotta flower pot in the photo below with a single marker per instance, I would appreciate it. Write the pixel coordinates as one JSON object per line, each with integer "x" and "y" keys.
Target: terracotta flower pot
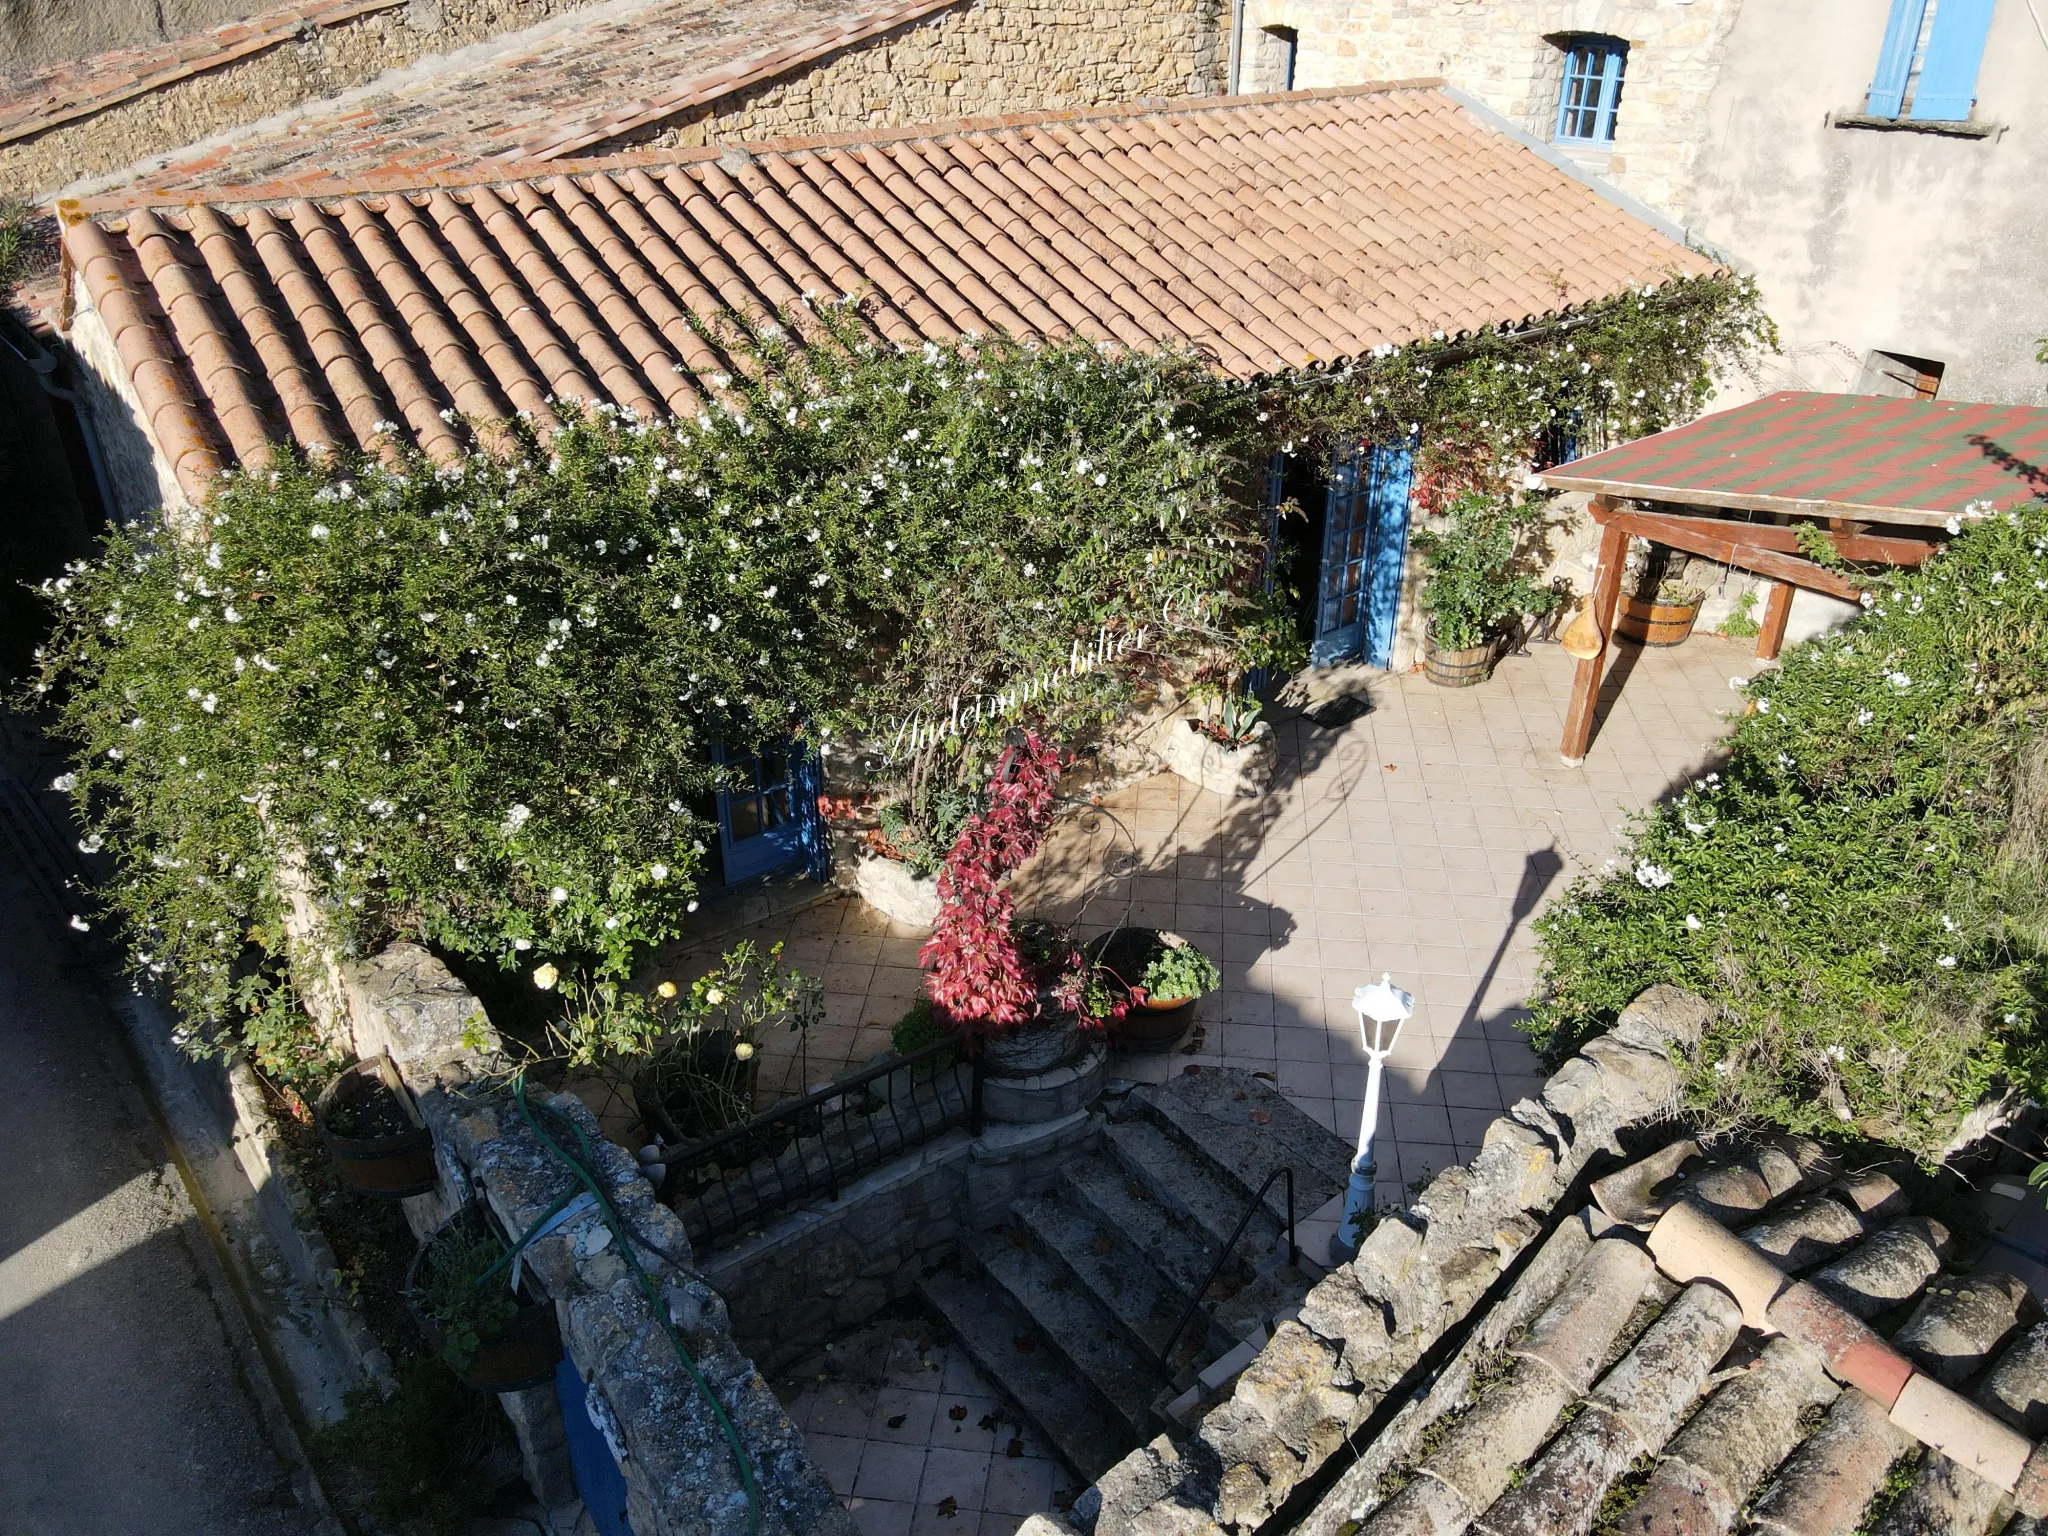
{"x": 1655, "y": 623}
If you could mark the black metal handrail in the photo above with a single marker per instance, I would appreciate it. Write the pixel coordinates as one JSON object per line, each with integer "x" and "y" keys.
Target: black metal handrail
{"x": 1256, "y": 1204}
{"x": 816, "y": 1144}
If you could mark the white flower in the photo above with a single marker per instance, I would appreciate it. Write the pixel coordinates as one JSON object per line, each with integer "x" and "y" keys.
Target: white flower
{"x": 1898, "y": 679}
{"x": 1947, "y": 962}
{"x": 1738, "y": 683}
{"x": 318, "y": 530}
{"x": 80, "y": 923}
{"x": 1692, "y": 922}
{"x": 1864, "y": 717}
{"x": 1652, "y": 878}
{"x": 64, "y": 783}
{"x": 689, "y": 906}
{"x": 1954, "y": 525}
{"x": 515, "y": 818}
{"x": 1763, "y": 706}
{"x": 1102, "y": 479}
{"x": 210, "y": 703}
{"x": 714, "y": 624}
{"x": 744, "y": 1051}
{"x": 713, "y": 996}
{"x": 659, "y": 872}
{"x": 558, "y": 895}
{"x": 545, "y": 977}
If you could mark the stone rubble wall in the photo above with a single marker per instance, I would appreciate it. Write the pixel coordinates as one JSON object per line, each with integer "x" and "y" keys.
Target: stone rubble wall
{"x": 1365, "y": 1325}
{"x": 1502, "y": 52}
{"x": 322, "y": 62}
{"x": 681, "y": 1477}
{"x": 981, "y": 59}
{"x": 816, "y": 1272}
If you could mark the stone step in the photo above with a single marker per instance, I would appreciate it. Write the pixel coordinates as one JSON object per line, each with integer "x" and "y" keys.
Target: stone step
{"x": 1112, "y": 1269}
{"x": 1072, "y": 1325}
{"x": 1186, "y": 1181}
{"x": 1176, "y": 1245}
{"x": 1082, "y": 1430}
{"x": 1246, "y": 1128}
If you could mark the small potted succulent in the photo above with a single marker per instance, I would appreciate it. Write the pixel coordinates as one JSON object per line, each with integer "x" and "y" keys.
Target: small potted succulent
{"x": 459, "y": 1290}
{"x": 374, "y": 1133}
{"x": 1162, "y": 975}
{"x": 1472, "y": 592}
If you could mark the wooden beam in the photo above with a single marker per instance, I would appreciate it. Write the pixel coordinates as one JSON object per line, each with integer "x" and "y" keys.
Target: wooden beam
{"x": 1850, "y": 545}
{"x": 1771, "y": 637}
{"x": 1722, "y": 541}
{"x": 1578, "y": 720}
{"x": 1562, "y": 479}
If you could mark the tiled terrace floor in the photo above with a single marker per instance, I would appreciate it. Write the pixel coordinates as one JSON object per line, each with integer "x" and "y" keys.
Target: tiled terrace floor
{"x": 914, "y": 1441}
{"x": 1418, "y": 840}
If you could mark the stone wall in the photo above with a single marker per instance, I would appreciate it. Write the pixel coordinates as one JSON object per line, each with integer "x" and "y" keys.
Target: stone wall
{"x": 819, "y": 1271}
{"x": 981, "y": 59}
{"x": 320, "y": 62}
{"x": 1504, "y": 53}
{"x": 37, "y": 32}
{"x": 681, "y": 1476}
{"x": 1365, "y": 1326}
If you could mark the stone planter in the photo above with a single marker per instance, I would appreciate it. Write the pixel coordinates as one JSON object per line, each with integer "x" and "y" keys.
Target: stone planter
{"x": 1032, "y": 1049}
{"x": 889, "y": 886}
{"x": 1239, "y": 772}
{"x": 1052, "y": 1094}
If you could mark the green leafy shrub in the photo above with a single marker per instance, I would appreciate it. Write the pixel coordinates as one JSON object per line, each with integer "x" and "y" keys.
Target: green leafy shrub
{"x": 421, "y": 1461}
{"x": 1860, "y": 888}
{"x": 463, "y": 1285}
{"x": 480, "y": 703}
{"x": 919, "y": 831}
{"x": 1741, "y": 623}
{"x": 1472, "y": 585}
{"x": 1180, "y": 971}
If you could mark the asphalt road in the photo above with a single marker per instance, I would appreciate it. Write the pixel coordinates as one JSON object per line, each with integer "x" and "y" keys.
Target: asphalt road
{"x": 126, "y": 1407}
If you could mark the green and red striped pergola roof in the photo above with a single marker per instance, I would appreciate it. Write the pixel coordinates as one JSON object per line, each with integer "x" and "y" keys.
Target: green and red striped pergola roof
{"x": 1853, "y": 456}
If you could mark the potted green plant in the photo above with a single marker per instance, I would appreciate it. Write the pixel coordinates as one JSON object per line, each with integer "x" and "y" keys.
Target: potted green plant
{"x": 1472, "y": 589}
{"x": 1162, "y": 975}
{"x": 1661, "y": 612}
{"x": 373, "y": 1131}
{"x": 459, "y": 1290}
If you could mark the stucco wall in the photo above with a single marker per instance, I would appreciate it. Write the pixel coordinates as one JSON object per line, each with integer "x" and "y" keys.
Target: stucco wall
{"x": 993, "y": 57}
{"x": 1497, "y": 50}
{"x": 1908, "y": 242}
{"x": 37, "y": 32}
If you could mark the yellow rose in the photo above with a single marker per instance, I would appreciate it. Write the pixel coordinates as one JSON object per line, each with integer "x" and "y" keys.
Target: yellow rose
{"x": 545, "y": 977}
{"x": 667, "y": 989}
{"x": 714, "y": 997}
{"x": 743, "y": 1051}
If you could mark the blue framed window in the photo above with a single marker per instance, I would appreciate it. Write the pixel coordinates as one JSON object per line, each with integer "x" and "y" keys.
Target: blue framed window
{"x": 1927, "y": 64}
{"x": 1591, "y": 94}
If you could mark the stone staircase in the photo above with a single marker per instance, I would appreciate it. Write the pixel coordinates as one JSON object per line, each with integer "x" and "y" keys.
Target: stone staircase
{"x": 1067, "y": 1305}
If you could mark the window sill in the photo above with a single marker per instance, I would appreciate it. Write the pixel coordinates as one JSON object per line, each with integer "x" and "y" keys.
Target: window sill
{"x": 1969, "y": 130}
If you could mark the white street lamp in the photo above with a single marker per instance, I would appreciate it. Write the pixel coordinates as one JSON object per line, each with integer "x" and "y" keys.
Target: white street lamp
{"x": 1382, "y": 1008}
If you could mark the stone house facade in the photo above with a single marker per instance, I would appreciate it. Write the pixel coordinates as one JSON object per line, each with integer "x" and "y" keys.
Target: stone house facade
{"x": 1883, "y": 244}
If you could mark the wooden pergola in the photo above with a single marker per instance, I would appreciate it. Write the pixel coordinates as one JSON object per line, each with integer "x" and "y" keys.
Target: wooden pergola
{"x": 1731, "y": 487}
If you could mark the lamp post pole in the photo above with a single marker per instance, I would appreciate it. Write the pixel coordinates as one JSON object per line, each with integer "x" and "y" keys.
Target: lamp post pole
{"x": 1382, "y": 1008}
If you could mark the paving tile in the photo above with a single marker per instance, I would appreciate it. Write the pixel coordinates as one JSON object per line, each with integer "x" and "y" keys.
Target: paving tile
{"x": 891, "y": 1472}
{"x": 880, "y": 1517}
{"x": 1021, "y": 1485}
{"x": 838, "y": 1457}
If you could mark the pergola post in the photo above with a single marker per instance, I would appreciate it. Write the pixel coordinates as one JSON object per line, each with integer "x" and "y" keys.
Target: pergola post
{"x": 1578, "y": 720}
{"x": 1771, "y": 637}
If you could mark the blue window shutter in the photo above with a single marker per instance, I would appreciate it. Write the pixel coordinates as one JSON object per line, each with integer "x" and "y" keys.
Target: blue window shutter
{"x": 1948, "y": 75}
{"x": 1393, "y": 474}
{"x": 1610, "y": 93}
{"x": 1895, "y": 58}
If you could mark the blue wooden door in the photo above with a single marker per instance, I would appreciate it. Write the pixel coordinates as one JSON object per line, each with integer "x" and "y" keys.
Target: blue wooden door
{"x": 598, "y": 1478}
{"x": 1365, "y": 544}
{"x": 768, "y": 813}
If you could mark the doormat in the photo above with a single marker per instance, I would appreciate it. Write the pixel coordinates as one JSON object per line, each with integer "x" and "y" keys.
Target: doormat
{"x": 1336, "y": 713}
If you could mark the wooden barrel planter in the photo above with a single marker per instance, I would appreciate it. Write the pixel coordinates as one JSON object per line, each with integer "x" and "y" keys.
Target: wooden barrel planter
{"x": 519, "y": 1353}
{"x": 373, "y": 1131}
{"x": 1652, "y": 623}
{"x": 1150, "y": 1026}
{"x": 1457, "y": 669}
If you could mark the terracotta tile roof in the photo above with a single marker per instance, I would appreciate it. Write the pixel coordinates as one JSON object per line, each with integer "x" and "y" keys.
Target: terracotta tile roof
{"x": 1273, "y": 232}
{"x": 1751, "y": 1340}
{"x": 32, "y": 101}
{"x": 559, "y": 88}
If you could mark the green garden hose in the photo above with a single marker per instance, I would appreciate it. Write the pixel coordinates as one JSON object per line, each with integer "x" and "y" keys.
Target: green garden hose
{"x": 622, "y": 1234}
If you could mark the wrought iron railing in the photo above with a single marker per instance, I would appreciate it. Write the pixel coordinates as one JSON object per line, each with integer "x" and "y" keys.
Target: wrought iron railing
{"x": 1256, "y": 1204}
{"x": 815, "y": 1146}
